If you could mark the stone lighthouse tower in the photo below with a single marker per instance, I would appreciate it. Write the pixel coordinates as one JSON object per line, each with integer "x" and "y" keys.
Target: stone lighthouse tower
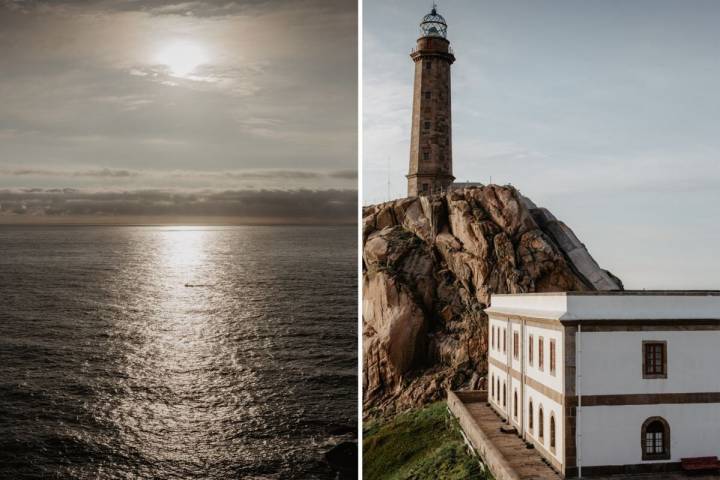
{"x": 430, "y": 143}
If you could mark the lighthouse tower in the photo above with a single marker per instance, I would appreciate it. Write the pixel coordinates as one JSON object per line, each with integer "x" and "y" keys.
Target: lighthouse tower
{"x": 431, "y": 139}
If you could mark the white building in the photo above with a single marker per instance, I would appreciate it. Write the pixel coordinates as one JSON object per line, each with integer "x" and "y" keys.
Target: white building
{"x": 608, "y": 382}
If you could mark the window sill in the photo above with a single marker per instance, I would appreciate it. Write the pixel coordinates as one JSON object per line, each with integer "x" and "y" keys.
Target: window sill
{"x": 650, "y": 458}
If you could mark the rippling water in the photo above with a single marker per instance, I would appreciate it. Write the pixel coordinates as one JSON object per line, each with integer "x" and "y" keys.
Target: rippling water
{"x": 175, "y": 352}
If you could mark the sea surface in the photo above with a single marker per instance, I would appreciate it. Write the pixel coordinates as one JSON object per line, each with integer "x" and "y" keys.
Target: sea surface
{"x": 176, "y": 352}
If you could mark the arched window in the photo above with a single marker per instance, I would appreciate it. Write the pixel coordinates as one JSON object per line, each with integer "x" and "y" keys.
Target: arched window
{"x": 530, "y": 417}
{"x": 655, "y": 439}
{"x": 541, "y": 423}
{"x": 492, "y": 386}
{"x": 504, "y": 395}
{"x": 515, "y": 402}
{"x": 552, "y": 432}
{"x": 497, "y": 390}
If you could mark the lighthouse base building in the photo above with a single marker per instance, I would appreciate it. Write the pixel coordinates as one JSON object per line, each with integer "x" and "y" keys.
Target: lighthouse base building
{"x": 604, "y": 383}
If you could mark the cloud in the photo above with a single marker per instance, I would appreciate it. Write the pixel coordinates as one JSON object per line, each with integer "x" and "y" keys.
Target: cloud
{"x": 196, "y": 8}
{"x": 320, "y": 206}
{"x": 104, "y": 172}
{"x": 86, "y": 81}
{"x": 250, "y": 174}
{"x": 270, "y": 174}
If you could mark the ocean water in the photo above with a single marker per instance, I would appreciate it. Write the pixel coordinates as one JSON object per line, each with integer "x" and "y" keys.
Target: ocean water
{"x": 176, "y": 352}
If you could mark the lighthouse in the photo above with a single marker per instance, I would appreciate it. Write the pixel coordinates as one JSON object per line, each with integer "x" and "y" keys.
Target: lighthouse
{"x": 431, "y": 139}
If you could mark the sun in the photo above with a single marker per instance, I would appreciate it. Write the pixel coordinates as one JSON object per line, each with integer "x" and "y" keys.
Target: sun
{"x": 182, "y": 57}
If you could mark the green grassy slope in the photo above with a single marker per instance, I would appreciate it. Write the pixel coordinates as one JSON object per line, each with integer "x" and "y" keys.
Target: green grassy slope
{"x": 418, "y": 445}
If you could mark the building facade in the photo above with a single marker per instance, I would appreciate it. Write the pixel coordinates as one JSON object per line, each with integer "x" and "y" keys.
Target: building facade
{"x": 608, "y": 382}
{"x": 431, "y": 140}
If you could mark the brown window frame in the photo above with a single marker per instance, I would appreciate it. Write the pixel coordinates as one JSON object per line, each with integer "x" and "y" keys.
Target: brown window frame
{"x": 553, "y": 433}
{"x": 650, "y": 360}
{"x": 531, "y": 415}
{"x": 541, "y": 425}
{"x": 516, "y": 345}
{"x": 531, "y": 339}
{"x": 505, "y": 340}
{"x": 541, "y": 354}
{"x": 553, "y": 354}
{"x": 664, "y": 439}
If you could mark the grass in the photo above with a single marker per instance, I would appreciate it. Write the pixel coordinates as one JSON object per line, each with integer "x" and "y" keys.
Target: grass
{"x": 418, "y": 445}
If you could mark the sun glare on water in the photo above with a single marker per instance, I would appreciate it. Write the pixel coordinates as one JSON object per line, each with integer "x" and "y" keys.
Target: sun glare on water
{"x": 182, "y": 57}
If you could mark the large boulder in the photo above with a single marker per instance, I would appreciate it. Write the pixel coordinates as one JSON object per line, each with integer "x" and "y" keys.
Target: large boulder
{"x": 394, "y": 329}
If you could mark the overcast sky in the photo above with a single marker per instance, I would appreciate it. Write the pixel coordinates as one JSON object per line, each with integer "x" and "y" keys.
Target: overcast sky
{"x": 605, "y": 112}
{"x": 175, "y": 98}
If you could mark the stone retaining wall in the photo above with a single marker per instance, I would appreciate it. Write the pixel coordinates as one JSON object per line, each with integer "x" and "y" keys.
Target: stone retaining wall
{"x": 491, "y": 456}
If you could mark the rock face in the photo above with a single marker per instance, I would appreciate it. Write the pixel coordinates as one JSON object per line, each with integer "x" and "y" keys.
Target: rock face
{"x": 429, "y": 267}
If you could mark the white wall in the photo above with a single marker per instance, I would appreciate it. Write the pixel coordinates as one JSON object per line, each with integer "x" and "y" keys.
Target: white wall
{"x": 611, "y": 435}
{"x": 638, "y": 306}
{"x": 555, "y": 382}
{"x": 515, "y": 327}
{"x": 611, "y": 362}
{"x": 549, "y": 407}
{"x": 498, "y": 353}
{"x": 495, "y": 373}
{"x": 622, "y": 305}
{"x": 553, "y": 304}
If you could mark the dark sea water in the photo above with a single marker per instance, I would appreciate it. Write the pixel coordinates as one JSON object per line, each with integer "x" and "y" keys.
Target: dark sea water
{"x": 176, "y": 352}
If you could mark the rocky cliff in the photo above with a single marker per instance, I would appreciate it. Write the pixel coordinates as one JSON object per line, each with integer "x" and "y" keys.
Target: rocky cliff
{"x": 429, "y": 267}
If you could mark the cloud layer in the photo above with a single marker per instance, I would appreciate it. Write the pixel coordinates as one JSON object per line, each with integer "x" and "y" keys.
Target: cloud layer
{"x": 256, "y": 206}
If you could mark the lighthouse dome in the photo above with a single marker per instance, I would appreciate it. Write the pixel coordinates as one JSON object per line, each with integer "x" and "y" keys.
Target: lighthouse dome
{"x": 433, "y": 25}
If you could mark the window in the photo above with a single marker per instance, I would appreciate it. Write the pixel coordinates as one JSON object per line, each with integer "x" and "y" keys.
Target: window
{"x": 428, "y": 95}
{"x": 428, "y": 65}
{"x": 515, "y": 405}
{"x": 655, "y": 439}
{"x": 426, "y": 155}
{"x": 541, "y": 422}
{"x": 516, "y": 345}
{"x": 530, "y": 350}
{"x": 552, "y": 356}
{"x": 497, "y": 391}
{"x": 492, "y": 337}
{"x": 492, "y": 386}
{"x": 425, "y": 188}
{"x": 552, "y": 432}
{"x": 654, "y": 359}
{"x": 541, "y": 357}
{"x": 530, "y": 417}
{"x": 504, "y": 395}
{"x": 504, "y": 340}
{"x": 426, "y": 125}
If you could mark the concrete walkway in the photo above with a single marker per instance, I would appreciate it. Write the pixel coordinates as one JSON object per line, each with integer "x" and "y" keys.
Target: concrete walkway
{"x": 504, "y": 453}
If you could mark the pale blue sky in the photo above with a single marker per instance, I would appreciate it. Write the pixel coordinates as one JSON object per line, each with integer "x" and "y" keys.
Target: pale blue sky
{"x": 605, "y": 112}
